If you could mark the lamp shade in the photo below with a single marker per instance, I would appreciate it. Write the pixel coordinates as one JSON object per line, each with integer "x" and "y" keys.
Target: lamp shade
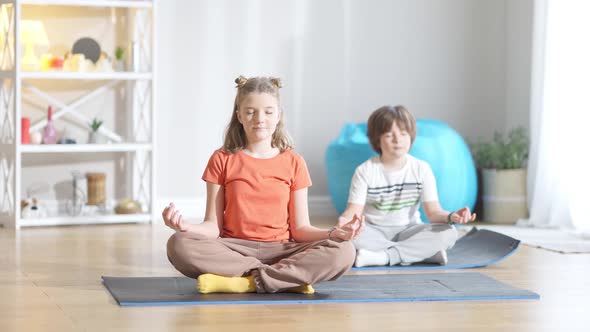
{"x": 33, "y": 32}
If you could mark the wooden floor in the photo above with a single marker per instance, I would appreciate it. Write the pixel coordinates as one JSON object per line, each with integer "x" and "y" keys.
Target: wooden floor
{"x": 50, "y": 281}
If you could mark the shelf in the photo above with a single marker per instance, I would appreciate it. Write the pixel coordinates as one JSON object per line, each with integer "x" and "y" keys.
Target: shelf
{"x": 67, "y": 148}
{"x": 87, "y": 220}
{"x": 91, "y": 3}
{"x": 131, "y": 146}
{"x": 56, "y": 75}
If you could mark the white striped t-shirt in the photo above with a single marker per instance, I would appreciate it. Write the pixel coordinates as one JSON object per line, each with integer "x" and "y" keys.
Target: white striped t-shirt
{"x": 392, "y": 198}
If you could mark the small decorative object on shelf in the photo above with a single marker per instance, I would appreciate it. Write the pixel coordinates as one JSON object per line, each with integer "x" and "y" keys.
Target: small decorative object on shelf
{"x": 50, "y": 62}
{"x": 25, "y": 124}
{"x": 30, "y": 208}
{"x": 78, "y": 63}
{"x": 128, "y": 206}
{"x": 75, "y": 207}
{"x": 94, "y": 136}
{"x": 119, "y": 59}
{"x": 57, "y": 63}
{"x": 103, "y": 64}
{"x": 87, "y": 46}
{"x": 36, "y": 137}
{"x": 96, "y": 188}
{"x": 64, "y": 137}
{"x": 66, "y": 140}
{"x": 46, "y": 62}
{"x": 49, "y": 132}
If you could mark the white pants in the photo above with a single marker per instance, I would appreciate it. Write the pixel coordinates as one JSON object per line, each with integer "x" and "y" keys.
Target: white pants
{"x": 411, "y": 243}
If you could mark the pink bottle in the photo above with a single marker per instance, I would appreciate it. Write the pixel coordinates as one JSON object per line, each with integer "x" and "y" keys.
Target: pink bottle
{"x": 49, "y": 133}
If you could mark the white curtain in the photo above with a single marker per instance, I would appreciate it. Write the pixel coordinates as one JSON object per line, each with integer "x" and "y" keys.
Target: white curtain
{"x": 559, "y": 172}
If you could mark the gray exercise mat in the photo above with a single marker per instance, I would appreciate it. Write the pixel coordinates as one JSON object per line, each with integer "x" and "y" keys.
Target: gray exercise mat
{"x": 158, "y": 291}
{"x": 477, "y": 248}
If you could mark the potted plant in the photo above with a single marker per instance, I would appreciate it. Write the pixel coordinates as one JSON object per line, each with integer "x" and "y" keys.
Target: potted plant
{"x": 502, "y": 164}
{"x": 94, "y": 136}
{"x": 119, "y": 59}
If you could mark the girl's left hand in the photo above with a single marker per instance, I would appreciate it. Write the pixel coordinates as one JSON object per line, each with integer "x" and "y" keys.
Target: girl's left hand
{"x": 463, "y": 216}
{"x": 348, "y": 231}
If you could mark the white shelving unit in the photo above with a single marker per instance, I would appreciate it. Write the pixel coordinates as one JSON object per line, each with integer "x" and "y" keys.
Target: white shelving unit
{"x": 136, "y": 145}
{"x": 85, "y": 76}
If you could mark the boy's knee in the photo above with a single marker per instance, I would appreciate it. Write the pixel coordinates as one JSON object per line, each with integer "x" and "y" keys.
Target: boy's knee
{"x": 450, "y": 236}
{"x": 446, "y": 234}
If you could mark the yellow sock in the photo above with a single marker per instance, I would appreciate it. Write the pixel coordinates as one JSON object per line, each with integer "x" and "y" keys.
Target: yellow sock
{"x": 303, "y": 289}
{"x": 212, "y": 283}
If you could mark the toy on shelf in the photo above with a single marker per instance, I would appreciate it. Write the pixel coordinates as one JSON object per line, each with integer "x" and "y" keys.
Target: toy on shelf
{"x": 30, "y": 208}
{"x": 49, "y": 62}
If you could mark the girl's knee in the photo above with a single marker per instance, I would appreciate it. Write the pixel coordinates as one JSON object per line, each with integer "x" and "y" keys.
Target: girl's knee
{"x": 179, "y": 247}
{"x": 181, "y": 256}
{"x": 176, "y": 244}
{"x": 346, "y": 254}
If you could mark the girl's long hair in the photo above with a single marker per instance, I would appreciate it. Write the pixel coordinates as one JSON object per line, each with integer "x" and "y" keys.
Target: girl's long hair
{"x": 235, "y": 136}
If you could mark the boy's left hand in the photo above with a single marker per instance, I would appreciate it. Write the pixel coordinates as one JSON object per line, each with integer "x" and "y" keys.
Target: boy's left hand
{"x": 463, "y": 216}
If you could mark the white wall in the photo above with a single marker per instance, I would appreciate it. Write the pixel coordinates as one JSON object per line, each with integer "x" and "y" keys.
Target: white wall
{"x": 461, "y": 61}
{"x": 519, "y": 31}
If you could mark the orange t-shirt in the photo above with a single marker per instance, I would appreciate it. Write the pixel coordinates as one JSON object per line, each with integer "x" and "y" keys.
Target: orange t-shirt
{"x": 257, "y": 192}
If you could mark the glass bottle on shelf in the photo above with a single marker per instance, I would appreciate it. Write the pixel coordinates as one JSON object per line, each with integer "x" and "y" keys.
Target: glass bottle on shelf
{"x": 49, "y": 132}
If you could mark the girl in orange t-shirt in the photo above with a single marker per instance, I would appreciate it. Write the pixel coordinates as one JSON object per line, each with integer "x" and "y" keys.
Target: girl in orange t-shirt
{"x": 256, "y": 236}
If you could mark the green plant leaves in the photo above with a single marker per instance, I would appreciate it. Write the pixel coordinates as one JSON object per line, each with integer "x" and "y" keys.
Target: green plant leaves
{"x": 503, "y": 152}
{"x": 95, "y": 124}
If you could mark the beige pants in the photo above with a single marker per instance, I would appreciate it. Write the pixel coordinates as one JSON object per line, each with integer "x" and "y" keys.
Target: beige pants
{"x": 275, "y": 265}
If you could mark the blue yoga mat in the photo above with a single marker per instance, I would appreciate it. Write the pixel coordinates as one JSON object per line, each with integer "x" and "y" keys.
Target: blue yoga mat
{"x": 160, "y": 291}
{"x": 477, "y": 248}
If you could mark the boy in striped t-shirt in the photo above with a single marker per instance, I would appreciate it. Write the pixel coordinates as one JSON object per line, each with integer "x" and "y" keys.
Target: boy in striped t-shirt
{"x": 388, "y": 189}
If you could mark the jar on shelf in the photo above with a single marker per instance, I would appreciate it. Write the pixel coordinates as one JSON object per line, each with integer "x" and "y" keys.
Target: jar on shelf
{"x": 96, "y": 188}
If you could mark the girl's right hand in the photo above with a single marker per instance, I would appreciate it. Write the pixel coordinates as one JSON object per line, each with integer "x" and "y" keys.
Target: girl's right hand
{"x": 349, "y": 230}
{"x": 173, "y": 219}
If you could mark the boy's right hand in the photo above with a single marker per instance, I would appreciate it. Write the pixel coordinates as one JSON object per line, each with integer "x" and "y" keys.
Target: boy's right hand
{"x": 173, "y": 219}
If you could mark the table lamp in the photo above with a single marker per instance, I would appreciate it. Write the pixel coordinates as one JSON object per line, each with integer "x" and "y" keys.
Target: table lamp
{"x": 32, "y": 33}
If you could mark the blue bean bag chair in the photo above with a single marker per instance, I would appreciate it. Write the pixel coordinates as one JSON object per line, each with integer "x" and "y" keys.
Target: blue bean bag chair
{"x": 436, "y": 143}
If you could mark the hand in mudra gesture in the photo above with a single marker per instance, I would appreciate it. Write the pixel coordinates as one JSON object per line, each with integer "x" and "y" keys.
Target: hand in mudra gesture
{"x": 173, "y": 218}
{"x": 347, "y": 230}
